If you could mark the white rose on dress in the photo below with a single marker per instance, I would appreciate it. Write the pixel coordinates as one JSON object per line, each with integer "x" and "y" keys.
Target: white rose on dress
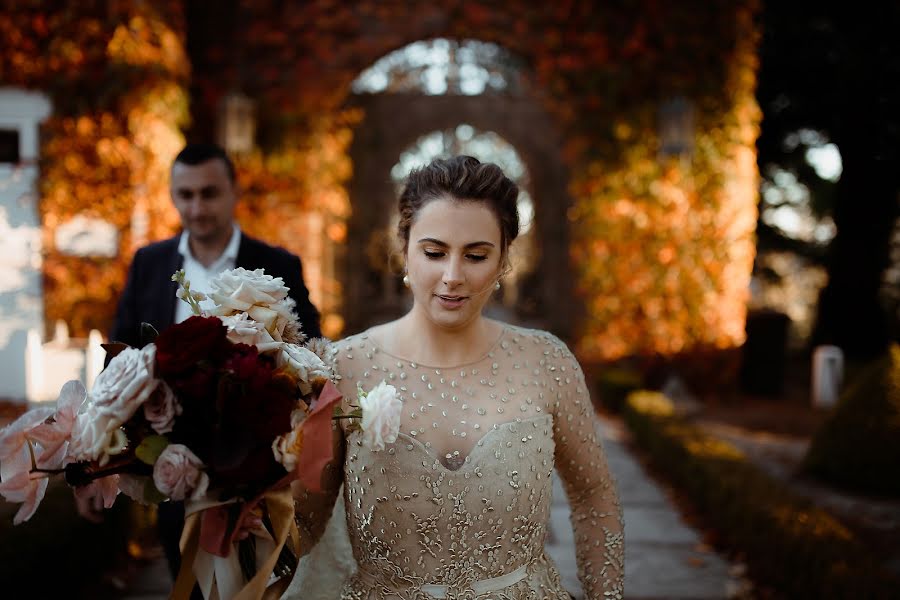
{"x": 244, "y": 330}
{"x": 177, "y": 474}
{"x": 238, "y": 289}
{"x": 125, "y": 384}
{"x": 380, "y": 415}
{"x": 303, "y": 364}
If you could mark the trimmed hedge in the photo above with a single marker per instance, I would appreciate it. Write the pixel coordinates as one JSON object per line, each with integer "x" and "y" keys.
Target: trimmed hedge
{"x": 858, "y": 446}
{"x": 57, "y": 553}
{"x": 799, "y": 550}
{"x": 614, "y": 384}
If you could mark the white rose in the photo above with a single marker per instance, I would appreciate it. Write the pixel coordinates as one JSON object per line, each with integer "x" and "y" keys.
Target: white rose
{"x": 239, "y": 289}
{"x": 95, "y": 436}
{"x": 125, "y": 384}
{"x": 244, "y": 330}
{"x": 380, "y": 416}
{"x": 286, "y": 449}
{"x": 303, "y": 364}
{"x": 177, "y": 473}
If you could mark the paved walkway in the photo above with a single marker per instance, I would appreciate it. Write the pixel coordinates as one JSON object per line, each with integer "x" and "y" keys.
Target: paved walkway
{"x": 665, "y": 558}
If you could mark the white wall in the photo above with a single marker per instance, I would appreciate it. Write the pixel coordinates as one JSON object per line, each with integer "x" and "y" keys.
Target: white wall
{"x": 21, "y": 300}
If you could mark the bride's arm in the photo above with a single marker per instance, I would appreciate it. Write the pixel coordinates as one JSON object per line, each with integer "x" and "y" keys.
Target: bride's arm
{"x": 581, "y": 463}
{"x": 312, "y": 510}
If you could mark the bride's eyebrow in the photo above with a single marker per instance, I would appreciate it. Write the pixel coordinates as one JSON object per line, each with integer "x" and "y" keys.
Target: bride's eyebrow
{"x": 437, "y": 242}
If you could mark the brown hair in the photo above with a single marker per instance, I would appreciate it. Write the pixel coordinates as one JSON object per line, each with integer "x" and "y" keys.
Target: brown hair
{"x": 461, "y": 178}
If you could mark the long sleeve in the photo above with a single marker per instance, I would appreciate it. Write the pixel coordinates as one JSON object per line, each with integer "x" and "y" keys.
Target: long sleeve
{"x": 313, "y": 509}
{"x": 306, "y": 311}
{"x": 581, "y": 463}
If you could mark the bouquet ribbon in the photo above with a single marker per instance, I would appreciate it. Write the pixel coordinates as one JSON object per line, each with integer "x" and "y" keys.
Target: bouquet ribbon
{"x": 206, "y": 558}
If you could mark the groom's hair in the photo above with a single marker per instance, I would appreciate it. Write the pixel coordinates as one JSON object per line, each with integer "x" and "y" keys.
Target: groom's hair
{"x": 195, "y": 154}
{"x": 465, "y": 179}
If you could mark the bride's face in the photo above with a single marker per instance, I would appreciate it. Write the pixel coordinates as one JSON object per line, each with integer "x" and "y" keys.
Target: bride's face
{"x": 453, "y": 260}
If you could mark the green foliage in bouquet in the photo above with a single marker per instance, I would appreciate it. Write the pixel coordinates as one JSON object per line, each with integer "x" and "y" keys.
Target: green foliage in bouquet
{"x": 858, "y": 446}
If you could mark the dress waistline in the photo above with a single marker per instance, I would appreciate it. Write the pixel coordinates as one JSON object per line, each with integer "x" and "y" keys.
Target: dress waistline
{"x": 482, "y": 586}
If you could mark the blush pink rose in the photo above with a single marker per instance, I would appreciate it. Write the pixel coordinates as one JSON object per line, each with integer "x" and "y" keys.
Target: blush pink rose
{"x": 178, "y": 474}
{"x": 125, "y": 384}
{"x": 161, "y": 409}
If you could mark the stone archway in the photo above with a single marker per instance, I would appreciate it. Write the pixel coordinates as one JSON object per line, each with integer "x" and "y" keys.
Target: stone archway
{"x": 392, "y": 123}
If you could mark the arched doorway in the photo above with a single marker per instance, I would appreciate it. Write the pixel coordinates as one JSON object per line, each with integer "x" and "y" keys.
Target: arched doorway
{"x": 419, "y": 93}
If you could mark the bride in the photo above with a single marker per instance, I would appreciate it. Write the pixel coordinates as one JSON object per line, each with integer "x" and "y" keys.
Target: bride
{"x": 458, "y": 506}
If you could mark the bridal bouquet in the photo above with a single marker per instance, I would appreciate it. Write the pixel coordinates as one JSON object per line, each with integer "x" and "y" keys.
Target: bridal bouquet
{"x": 222, "y": 411}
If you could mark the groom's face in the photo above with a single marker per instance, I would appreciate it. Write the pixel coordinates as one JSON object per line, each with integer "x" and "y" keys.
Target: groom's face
{"x": 453, "y": 260}
{"x": 204, "y": 196}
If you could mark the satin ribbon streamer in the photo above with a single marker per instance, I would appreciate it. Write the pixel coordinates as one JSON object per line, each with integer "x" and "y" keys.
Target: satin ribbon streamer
{"x": 220, "y": 577}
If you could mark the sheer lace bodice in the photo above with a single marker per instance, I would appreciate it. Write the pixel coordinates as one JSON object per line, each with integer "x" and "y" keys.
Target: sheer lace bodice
{"x": 458, "y": 506}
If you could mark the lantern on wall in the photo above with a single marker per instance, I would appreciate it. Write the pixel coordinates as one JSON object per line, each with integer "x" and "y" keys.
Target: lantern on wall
{"x": 676, "y": 128}
{"x": 237, "y": 123}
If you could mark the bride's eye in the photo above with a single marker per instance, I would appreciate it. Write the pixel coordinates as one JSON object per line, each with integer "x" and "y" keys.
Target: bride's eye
{"x": 433, "y": 254}
{"x": 476, "y": 257}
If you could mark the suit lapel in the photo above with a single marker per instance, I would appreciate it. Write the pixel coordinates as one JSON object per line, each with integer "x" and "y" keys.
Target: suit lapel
{"x": 247, "y": 254}
{"x": 175, "y": 262}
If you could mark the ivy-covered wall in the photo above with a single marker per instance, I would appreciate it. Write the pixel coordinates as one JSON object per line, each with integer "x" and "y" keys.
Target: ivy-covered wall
{"x": 662, "y": 249}
{"x": 115, "y": 73}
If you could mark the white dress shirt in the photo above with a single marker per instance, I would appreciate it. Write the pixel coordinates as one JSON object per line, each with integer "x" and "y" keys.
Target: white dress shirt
{"x": 199, "y": 276}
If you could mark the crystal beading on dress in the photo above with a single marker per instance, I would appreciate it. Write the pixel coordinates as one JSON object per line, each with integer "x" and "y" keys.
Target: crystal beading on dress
{"x": 458, "y": 505}
{"x": 463, "y": 496}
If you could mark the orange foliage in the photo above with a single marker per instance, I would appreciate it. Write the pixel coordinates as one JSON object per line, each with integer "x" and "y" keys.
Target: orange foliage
{"x": 662, "y": 254}
{"x": 115, "y": 73}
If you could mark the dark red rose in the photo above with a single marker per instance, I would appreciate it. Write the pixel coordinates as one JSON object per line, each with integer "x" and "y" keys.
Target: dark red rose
{"x": 180, "y": 347}
{"x": 253, "y": 407}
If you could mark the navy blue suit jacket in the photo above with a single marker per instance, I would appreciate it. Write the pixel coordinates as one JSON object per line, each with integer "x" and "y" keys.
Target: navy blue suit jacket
{"x": 149, "y": 295}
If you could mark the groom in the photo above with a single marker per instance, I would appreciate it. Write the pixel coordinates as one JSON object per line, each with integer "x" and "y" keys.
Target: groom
{"x": 204, "y": 191}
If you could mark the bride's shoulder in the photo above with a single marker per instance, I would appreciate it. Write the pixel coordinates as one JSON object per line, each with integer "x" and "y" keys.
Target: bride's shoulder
{"x": 536, "y": 340}
{"x": 360, "y": 345}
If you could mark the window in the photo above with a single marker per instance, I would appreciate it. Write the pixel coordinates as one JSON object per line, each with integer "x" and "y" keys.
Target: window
{"x": 9, "y": 146}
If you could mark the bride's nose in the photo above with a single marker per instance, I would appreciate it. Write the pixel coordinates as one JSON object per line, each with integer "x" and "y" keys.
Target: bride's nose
{"x": 453, "y": 275}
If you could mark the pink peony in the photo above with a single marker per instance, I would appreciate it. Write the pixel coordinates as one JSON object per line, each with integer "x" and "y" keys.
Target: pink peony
{"x": 17, "y": 484}
{"x": 100, "y": 493}
{"x": 177, "y": 474}
{"x": 162, "y": 408}
{"x": 54, "y": 434}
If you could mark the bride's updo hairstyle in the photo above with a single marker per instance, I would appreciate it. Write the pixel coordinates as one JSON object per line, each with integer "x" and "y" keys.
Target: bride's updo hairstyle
{"x": 462, "y": 179}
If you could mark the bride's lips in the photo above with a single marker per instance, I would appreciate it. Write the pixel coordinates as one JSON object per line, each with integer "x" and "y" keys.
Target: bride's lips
{"x": 451, "y": 302}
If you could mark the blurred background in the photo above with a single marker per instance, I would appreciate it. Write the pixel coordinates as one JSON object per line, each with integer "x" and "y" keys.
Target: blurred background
{"x": 709, "y": 219}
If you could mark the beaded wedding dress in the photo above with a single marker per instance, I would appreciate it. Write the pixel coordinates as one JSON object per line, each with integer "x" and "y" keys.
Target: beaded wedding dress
{"x": 458, "y": 506}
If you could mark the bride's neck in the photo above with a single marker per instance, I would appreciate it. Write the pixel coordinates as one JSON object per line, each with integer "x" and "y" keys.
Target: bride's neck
{"x": 426, "y": 342}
